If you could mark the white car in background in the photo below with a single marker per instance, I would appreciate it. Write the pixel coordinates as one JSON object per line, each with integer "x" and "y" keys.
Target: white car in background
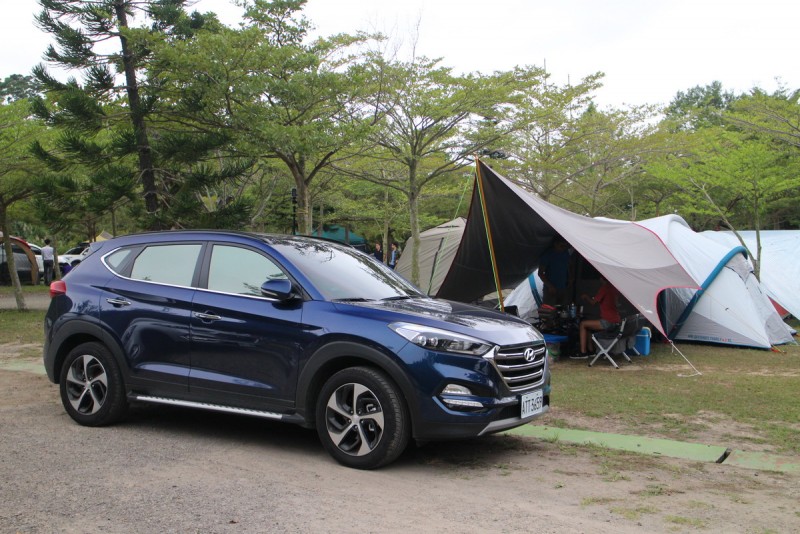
{"x": 36, "y": 249}
{"x": 73, "y": 254}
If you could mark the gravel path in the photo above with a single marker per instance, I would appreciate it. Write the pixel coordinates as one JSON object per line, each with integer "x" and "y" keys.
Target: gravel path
{"x": 173, "y": 470}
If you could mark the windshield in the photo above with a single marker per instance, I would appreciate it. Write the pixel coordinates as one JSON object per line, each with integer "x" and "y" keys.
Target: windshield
{"x": 342, "y": 273}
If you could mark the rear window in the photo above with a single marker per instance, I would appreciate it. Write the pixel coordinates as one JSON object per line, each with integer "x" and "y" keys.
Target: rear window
{"x": 166, "y": 264}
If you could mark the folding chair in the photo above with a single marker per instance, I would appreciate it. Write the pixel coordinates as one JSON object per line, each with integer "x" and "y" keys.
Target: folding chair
{"x": 615, "y": 340}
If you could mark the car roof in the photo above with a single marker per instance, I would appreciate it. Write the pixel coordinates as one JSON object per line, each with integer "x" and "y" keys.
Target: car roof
{"x": 268, "y": 238}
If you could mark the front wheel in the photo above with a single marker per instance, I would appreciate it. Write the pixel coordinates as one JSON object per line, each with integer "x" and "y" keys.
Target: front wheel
{"x": 92, "y": 389}
{"x": 361, "y": 418}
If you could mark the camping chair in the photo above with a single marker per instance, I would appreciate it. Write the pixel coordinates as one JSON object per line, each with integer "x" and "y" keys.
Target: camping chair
{"x": 617, "y": 339}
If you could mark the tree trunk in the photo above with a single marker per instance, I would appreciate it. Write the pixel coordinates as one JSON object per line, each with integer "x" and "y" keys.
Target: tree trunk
{"x": 304, "y": 215}
{"x": 146, "y": 171}
{"x": 385, "y": 240}
{"x": 413, "y": 209}
{"x": 10, "y": 263}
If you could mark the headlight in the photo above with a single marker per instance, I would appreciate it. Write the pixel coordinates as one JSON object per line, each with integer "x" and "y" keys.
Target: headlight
{"x": 437, "y": 339}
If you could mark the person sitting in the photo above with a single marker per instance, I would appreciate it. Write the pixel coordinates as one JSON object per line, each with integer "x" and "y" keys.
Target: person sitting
{"x": 607, "y": 297}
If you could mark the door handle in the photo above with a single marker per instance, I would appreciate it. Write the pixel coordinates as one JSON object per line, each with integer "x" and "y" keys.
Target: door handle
{"x": 118, "y": 302}
{"x": 207, "y": 316}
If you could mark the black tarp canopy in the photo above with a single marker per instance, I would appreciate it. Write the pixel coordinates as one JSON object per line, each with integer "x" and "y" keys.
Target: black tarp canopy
{"x": 519, "y": 237}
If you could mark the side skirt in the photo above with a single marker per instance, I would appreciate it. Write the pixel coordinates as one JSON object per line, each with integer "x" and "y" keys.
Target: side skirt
{"x": 216, "y": 408}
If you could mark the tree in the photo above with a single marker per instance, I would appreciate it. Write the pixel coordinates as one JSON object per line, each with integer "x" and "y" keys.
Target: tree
{"x": 284, "y": 99}
{"x": 432, "y": 122}
{"x": 542, "y": 147}
{"x": 116, "y": 128}
{"x": 18, "y": 87}
{"x": 18, "y": 173}
{"x": 699, "y": 107}
{"x": 738, "y": 167}
{"x": 607, "y": 154}
{"x": 732, "y": 179}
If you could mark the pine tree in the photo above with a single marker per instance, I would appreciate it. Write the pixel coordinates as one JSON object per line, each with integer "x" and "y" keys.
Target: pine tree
{"x": 117, "y": 128}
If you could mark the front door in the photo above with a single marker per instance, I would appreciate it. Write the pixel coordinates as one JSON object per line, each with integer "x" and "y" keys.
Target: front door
{"x": 245, "y": 348}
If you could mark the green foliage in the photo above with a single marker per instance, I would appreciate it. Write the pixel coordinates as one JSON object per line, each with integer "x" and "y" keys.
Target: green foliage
{"x": 124, "y": 144}
{"x": 699, "y": 107}
{"x": 731, "y": 178}
{"x": 18, "y": 87}
{"x": 279, "y": 96}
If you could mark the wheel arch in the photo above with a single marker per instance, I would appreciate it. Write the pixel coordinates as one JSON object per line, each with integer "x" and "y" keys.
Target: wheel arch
{"x": 76, "y": 333}
{"x": 339, "y": 355}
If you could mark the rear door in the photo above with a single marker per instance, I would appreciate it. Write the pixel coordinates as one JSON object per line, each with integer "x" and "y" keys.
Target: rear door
{"x": 148, "y": 305}
{"x": 245, "y": 348}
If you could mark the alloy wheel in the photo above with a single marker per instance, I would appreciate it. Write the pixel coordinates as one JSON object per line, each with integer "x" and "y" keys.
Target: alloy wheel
{"x": 87, "y": 384}
{"x": 354, "y": 419}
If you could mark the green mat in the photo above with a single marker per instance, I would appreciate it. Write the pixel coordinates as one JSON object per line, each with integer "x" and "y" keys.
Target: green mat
{"x": 663, "y": 447}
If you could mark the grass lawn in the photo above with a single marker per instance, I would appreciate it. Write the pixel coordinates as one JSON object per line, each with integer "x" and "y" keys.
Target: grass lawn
{"x": 757, "y": 388}
{"x": 8, "y": 291}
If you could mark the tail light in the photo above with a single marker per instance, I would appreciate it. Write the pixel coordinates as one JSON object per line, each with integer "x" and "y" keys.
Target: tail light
{"x": 59, "y": 287}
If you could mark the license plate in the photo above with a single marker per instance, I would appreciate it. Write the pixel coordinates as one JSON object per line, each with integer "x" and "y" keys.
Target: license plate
{"x": 531, "y": 403}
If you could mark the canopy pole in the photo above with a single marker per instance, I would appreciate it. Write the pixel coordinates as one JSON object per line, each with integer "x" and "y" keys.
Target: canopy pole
{"x": 485, "y": 214}
{"x": 674, "y": 349}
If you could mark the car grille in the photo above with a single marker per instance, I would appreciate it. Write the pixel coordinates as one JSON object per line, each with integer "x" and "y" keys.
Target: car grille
{"x": 517, "y": 372}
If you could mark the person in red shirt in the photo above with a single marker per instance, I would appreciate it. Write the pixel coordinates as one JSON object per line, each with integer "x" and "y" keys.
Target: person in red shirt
{"x": 607, "y": 297}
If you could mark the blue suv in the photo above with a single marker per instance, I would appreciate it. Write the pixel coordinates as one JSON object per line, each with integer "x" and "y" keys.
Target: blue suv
{"x": 290, "y": 328}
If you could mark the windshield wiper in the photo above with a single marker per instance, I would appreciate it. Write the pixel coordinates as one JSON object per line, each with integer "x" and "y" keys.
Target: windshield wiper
{"x": 400, "y": 297}
{"x": 352, "y": 299}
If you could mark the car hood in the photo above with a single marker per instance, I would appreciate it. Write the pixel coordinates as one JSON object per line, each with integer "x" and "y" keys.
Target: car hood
{"x": 486, "y": 324}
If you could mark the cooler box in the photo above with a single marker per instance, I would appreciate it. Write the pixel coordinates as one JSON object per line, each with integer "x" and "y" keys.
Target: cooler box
{"x": 553, "y": 343}
{"x": 643, "y": 341}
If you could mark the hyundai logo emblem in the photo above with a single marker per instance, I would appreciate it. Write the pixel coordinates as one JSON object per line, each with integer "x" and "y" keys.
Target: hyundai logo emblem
{"x": 529, "y": 355}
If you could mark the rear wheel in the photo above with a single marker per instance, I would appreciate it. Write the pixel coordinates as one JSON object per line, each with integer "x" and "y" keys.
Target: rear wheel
{"x": 92, "y": 390}
{"x": 361, "y": 418}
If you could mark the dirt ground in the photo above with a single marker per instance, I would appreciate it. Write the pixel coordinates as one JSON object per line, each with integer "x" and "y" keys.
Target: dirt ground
{"x": 174, "y": 470}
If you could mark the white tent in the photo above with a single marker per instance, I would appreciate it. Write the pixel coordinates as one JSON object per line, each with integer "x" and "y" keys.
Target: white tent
{"x": 527, "y": 297}
{"x": 731, "y": 307}
{"x": 780, "y": 265}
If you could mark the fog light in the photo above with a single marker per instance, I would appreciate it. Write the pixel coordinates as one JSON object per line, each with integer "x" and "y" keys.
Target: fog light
{"x": 456, "y": 389}
{"x": 461, "y": 403}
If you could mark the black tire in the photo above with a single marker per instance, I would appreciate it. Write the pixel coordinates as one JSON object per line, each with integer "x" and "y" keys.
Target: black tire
{"x": 92, "y": 389}
{"x": 361, "y": 418}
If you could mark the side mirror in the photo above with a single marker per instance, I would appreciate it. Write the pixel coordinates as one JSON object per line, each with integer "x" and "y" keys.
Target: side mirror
{"x": 280, "y": 290}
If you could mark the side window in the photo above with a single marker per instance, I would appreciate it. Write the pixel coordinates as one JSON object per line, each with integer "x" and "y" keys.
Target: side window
{"x": 116, "y": 259}
{"x": 240, "y": 270}
{"x": 167, "y": 264}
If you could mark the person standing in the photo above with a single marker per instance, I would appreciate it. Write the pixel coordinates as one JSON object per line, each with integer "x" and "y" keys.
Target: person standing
{"x": 378, "y": 252}
{"x": 48, "y": 259}
{"x": 555, "y": 274}
{"x": 394, "y": 255}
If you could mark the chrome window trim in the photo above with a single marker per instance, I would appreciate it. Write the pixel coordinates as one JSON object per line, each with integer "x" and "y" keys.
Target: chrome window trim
{"x": 206, "y": 290}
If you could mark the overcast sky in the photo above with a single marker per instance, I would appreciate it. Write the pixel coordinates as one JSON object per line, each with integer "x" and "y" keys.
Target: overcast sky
{"x": 648, "y": 50}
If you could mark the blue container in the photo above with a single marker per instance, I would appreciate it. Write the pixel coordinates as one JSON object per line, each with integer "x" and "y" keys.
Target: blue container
{"x": 643, "y": 341}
